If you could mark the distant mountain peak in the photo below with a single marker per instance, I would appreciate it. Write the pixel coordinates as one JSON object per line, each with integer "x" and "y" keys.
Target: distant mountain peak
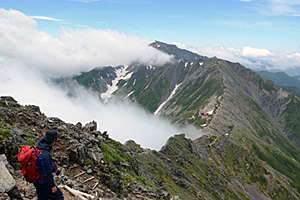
{"x": 180, "y": 54}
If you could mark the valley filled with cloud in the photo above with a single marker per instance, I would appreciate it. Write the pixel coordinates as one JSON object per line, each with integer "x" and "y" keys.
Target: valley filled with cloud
{"x": 30, "y": 58}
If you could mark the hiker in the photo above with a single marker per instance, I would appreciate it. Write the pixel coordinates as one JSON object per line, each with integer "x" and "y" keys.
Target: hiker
{"x": 45, "y": 186}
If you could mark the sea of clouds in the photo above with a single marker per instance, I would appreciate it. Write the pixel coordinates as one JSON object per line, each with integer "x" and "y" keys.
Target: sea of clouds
{"x": 29, "y": 58}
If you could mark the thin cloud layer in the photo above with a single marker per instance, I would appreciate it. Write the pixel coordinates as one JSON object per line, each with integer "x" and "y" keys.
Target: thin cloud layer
{"x": 253, "y": 58}
{"x": 74, "y": 51}
{"x": 282, "y": 7}
{"x": 46, "y": 18}
{"x": 285, "y": 6}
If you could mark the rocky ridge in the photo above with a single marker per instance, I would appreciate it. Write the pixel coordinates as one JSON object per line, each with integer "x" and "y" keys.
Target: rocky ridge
{"x": 78, "y": 150}
{"x": 210, "y": 167}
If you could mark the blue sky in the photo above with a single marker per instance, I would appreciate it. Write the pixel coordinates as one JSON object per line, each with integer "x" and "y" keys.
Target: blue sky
{"x": 268, "y": 24}
{"x": 259, "y": 34}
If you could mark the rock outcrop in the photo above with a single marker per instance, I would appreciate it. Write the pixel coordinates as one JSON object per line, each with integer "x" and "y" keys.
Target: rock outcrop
{"x": 79, "y": 149}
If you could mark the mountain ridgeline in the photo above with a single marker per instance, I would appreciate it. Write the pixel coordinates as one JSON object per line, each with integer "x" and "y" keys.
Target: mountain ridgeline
{"x": 250, "y": 151}
{"x": 242, "y": 101}
{"x": 252, "y": 111}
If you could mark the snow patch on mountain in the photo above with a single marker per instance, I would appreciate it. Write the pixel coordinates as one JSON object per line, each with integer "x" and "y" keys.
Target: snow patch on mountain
{"x": 128, "y": 95}
{"x": 157, "y": 112}
{"x": 122, "y": 74}
{"x": 150, "y": 67}
{"x": 186, "y": 64}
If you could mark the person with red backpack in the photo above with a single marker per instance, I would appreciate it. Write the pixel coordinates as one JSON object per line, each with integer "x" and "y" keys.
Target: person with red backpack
{"x": 45, "y": 186}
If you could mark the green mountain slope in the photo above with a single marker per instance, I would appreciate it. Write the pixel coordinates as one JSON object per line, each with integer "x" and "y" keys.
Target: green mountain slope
{"x": 210, "y": 167}
{"x": 297, "y": 77}
{"x": 280, "y": 78}
{"x": 292, "y": 89}
{"x": 256, "y": 114}
{"x": 292, "y": 84}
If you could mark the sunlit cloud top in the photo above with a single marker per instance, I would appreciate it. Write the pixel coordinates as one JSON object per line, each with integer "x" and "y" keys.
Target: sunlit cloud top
{"x": 268, "y": 24}
{"x": 30, "y": 57}
{"x": 74, "y": 50}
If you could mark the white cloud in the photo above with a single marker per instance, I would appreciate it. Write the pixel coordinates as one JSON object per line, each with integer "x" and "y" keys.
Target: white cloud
{"x": 282, "y": 7}
{"x": 29, "y": 87}
{"x": 84, "y": 26}
{"x": 250, "y": 57}
{"x": 230, "y": 54}
{"x": 29, "y": 58}
{"x": 74, "y": 51}
{"x": 46, "y": 18}
{"x": 255, "y": 53}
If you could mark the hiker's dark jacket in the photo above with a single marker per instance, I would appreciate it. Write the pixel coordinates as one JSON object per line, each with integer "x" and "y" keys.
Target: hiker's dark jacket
{"x": 45, "y": 164}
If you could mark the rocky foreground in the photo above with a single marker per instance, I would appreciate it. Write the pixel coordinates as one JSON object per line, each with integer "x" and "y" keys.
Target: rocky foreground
{"x": 78, "y": 154}
{"x": 210, "y": 167}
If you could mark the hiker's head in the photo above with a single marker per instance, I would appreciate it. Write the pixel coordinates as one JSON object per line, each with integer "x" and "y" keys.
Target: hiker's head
{"x": 51, "y": 136}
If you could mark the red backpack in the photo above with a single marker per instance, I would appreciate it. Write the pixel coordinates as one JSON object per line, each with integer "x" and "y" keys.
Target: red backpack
{"x": 27, "y": 157}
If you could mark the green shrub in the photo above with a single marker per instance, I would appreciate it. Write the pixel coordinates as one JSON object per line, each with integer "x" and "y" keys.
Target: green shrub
{"x": 4, "y": 133}
{"x": 88, "y": 162}
{"x": 109, "y": 153}
{"x": 31, "y": 143}
{"x": 279, "y": 162}
{"x": 130, "y": 177}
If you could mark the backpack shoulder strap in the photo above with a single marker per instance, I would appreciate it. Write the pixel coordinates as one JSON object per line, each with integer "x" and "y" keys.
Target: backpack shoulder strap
{"x": 38, "y": 151}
